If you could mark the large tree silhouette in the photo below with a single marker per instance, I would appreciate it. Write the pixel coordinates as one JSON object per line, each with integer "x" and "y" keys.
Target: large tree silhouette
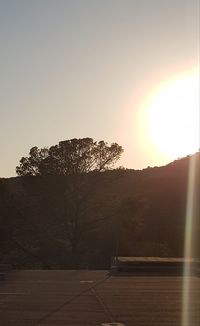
{"x": 69, "y": 157}
{"x": 81, "y": 211}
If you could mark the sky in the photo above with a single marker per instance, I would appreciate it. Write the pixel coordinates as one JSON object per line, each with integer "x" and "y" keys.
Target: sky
{"x": 83, "y": 68}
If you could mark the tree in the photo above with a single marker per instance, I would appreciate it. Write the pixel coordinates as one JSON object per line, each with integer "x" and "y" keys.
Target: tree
{"x": 31, "y": 165}
{"x": 81, "y": 212}
{"x": 70, "y": 157}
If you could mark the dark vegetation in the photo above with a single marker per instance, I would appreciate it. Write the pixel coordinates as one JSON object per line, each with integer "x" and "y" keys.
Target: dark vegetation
{"x": 70, "y": 157}
{"x": 81, "y": 219}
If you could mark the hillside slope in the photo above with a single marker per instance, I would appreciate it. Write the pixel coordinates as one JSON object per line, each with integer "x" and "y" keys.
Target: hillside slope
{"x": 81, "y": 221}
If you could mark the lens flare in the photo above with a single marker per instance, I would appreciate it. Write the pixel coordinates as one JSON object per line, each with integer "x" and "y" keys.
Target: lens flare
{"x": 191, "y": 250}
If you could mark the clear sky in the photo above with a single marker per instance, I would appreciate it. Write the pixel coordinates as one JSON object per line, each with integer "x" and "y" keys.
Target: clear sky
{"x": 81, "y": 68}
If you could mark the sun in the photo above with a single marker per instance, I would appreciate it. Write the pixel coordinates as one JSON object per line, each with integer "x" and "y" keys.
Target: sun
{"x": 171, "y": 115}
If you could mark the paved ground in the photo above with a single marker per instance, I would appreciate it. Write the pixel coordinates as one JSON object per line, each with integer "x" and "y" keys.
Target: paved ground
{"x": 89, "y": 298}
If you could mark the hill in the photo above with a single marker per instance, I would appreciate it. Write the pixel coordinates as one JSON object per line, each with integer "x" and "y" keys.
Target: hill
{"x": 81, "y": 221}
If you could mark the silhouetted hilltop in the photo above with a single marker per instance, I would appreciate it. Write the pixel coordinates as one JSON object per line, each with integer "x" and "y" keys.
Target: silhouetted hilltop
{"x": 82, "y": 220}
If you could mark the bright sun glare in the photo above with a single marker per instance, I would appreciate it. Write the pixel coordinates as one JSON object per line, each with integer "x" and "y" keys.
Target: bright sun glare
{"x": 172, "y": 117}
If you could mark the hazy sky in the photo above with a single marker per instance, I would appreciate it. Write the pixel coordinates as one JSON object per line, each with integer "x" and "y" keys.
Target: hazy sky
{"x": 73, "y": 69}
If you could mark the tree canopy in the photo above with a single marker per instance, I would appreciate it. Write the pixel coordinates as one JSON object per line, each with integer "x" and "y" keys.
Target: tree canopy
{"x": 69, "y": 157}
